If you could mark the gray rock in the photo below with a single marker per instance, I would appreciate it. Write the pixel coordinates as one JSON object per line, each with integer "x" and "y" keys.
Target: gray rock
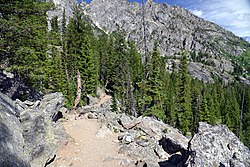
{"x": 9, "y": 105}
{"x": 51, "y": 105}
{"x": 85, "y": 109}
{"x": 31, "y": 137}
{"x": 141, "y": 163}
{"x": 43, "y": 136}
{"x": 92, "y": 100}
{"x": 14, "y": 88}
{"x": 91, "y": 116}
{"x": 112, "y": 121}
{"x": 174, "y": 27}
{"x": 143, "y": 153}
{"x": 28, "y": 103}
{"x": 128, "y": 138}
{"x": 125, "y": 120}
{"x": 12, "y": 152}
{"x": 58, "y": 11}
{"x": 217, "y": 144}
{"x": 64, "y": 111}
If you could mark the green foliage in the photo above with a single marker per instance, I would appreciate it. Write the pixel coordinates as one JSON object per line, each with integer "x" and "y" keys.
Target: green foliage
{"x": 196, "y": 103}
{"x": 241, "y": 63}
{"x": 205, "y": 113}
{"x": 23, "y": 40}
{"x": 114, "y": 107}
{"x": 49, "y": 61}
{"x": 184, "y": 104}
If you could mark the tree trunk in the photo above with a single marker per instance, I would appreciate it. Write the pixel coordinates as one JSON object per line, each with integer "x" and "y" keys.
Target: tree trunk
{"x": 79, "y": 90}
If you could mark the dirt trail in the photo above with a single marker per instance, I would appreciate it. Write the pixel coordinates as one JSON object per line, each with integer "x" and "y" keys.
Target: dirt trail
{"x": 91, "y": 145}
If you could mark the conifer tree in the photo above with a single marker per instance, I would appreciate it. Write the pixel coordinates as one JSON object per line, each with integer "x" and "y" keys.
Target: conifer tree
{"x": 205, "y": 114}
{"x": 196, "y": 104}
{"x": 246, "y": 117}
{"x": 170, "y": 109}
{"x": 185, "y": 110}
{"x": 23, "y": 40}
{"x": 155, "y": 85}
{"x": 79, "y": 40}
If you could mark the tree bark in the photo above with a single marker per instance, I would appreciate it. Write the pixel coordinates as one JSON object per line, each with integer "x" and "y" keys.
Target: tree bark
{"x": 79, "y": 90}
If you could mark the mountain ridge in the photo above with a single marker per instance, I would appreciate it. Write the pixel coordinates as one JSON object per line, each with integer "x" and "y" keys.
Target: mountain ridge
{"x": 175, "y": 29}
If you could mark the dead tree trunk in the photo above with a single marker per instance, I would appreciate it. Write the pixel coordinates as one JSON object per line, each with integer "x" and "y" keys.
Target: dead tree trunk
{"x": 79, "y": 90}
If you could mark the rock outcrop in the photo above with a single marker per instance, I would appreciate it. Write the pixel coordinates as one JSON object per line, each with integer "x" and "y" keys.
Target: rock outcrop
{"x": 60, "y": 7}
{"x": 218, "y": 146}
{"x": 150, "y": 142}
{"x": 29, "y": 134}
{"x": 12, "y": 143}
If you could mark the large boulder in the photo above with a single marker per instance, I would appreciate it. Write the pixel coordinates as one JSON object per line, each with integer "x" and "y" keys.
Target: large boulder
{"x": 139, "y": 138}
{"x": 29, "y": 134}
{"x": 42, "y": 134}
{"x": 218, "y": 146}
{"x": 12, "y": 143}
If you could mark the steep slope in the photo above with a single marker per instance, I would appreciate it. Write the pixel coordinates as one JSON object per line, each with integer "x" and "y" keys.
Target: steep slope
{"x": 60, "y": 7}
{"x": 175, "y": 29}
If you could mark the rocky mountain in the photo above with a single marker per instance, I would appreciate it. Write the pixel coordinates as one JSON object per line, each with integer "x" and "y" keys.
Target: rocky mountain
{"x": 60, "y": 7}
{"x": 175, "y": 29}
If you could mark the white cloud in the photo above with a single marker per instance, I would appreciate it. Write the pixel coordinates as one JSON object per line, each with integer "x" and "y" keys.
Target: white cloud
{"x": 233, "y": 15}
{"x": 197, "y": 12}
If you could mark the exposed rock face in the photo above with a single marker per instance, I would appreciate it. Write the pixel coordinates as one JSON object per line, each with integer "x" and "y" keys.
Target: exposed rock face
{"x": 217, "y": 145}
{"x": 173, "y": 27}
{"x": 28, "y": 134}
{"x": 12, "y": 152}
{"x": 60, "y": 6}
{"x": 42, "y": 135}
{"x": 211, "y": 146}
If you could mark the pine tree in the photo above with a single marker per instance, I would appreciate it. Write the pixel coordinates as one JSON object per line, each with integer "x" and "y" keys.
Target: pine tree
{"x": 246, "y": 117}
{"x": 102, "y": 53}
{"x": 184, "y": 110}
{"x": 79, "y": 46}
{"x": 205, "y": 114}
{"x": 235, "y": 112}
{"x": 155, "y": 83}
{"x": 54, "y": 35}
{"x": 196, "y": 104}
{"x": 24, "y": 40}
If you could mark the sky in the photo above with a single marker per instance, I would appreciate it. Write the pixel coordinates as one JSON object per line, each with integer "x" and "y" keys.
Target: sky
{"x": 233, "y": 15}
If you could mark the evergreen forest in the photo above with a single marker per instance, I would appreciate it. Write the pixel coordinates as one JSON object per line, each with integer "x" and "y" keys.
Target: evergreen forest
{"x": 50, "y": 61}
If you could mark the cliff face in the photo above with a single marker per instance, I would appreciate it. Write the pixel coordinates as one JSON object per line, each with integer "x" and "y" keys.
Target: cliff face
{"x": 60, "y": 7}
{"x": 175, "y": 29}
